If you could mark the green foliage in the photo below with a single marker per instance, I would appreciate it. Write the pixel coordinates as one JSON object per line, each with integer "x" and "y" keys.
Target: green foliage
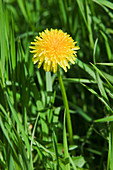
{"x": 33, "y": 132}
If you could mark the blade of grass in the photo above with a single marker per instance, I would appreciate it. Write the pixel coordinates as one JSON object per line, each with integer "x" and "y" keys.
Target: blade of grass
{"x": 14, "y": 113}
{"x": 111, "y": 146}
{"x": 65, "y": 142}
{"x": 2, "y": 38}
{"x": 34, "y": 129}
{"x": 108, "y": 76}
{"x": 105, "y": 64}
{"x": 55, "y": 149}
{"x": 21, "y": 4}
{"x": 11, "y": 163}
{"x": 9, "y": 141}
{"x": 111, "y": 87}
{"x": 89, "y": 24}
{"x": 105, "y": 119}
{"x": 82, "y": 10}
{"x": 86, "y": 68}
{"x": 63, "y": 11}
{"x": 108, "y": 11}
{"x": 108, "y": 49}
{"x": 2, "y": 44}
{"x": 78, "y": 80}
{"x": 106, "y": 3}
{"x": 100, "y": 98}
{"x": 73, "y": 164}
{"x": 78, "y": 110}
{"x": 44, "y": 126}
{"x": 13, "y": 53}
{"x": 94, "y": 51}
{"x": 101, "y": 87}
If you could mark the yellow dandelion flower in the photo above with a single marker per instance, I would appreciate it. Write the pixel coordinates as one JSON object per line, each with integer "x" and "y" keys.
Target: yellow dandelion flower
{"x": 53, "y": 48}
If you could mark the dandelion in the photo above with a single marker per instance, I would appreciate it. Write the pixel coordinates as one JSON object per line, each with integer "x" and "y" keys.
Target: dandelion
{"x": 53, "y": 48}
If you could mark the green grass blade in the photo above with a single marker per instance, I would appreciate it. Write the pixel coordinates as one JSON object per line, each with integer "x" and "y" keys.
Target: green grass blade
{"x": 14, "y": 113}
{"x": 55, "y": 148}
{"x": 21, "y": 4}
{"x": 86, "y": 68}
{"x": 73, "y": 164}
{"x": 108, "y": 11}
{"x": 63, "y": 11}
{"x": 78, "y": 80}
{"x": 108, "y": 49}
{"x": 13, "y": 52}
{"x": 111, "y": 87}
{"x": 82, "y": 10}
{"x": 65, "y": 143}
{"x": 11, "y": 164}
{"x": 105, "y": 119}
{"x": 105, "y": 64}
{"x": 78, "y": 110}
{"x": 101, "y": 87}
{"x": 100, "y": 98}
{"x": 34, "y": 129}
{"x": 82, "y": 113}
{"x": 106, "y": 3}
{"x": 111, "y": 145}
{"x": 89, "y": 24}
{"x": 94, "y": 51}
{"x": 43, "y": 119}
{"x": 9, "y": 141}
{"x": 108, "y": 76}
{"x": 2, "y": 44}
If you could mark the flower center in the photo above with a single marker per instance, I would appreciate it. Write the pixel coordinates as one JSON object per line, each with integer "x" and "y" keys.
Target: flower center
{"x": 56, "y": 47}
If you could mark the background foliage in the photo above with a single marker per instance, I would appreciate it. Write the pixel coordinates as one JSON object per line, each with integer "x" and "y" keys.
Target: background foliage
{"x": 32, "y": 121}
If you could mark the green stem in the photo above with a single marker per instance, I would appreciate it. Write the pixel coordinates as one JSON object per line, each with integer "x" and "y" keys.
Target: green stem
{"x": 65, "y": 101}
{"x": 111, "y": 146}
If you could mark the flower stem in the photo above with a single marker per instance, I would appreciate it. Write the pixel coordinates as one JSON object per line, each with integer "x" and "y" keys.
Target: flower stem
{"x": 66, "y": 105}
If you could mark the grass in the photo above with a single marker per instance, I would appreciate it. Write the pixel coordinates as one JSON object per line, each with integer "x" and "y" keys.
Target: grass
{"x": 33, "y": 129}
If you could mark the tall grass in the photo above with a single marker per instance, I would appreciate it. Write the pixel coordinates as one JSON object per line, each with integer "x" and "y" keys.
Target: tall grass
{"x": 33, "y": 131}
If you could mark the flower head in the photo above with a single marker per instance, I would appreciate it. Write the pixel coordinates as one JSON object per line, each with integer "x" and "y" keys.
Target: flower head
{"x": 52, "y": 48}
